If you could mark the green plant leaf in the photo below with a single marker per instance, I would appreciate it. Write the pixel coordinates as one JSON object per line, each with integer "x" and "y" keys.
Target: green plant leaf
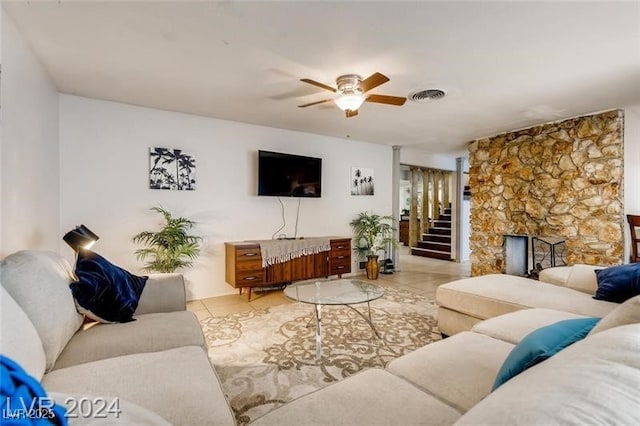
{"x": 170, "y": 248}
{"x": 372, "y": 233}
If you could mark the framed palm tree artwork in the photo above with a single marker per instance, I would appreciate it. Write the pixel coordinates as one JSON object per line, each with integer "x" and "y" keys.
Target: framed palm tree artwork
{"x": 361, "y": 181}
{"x": 171, "y": 168}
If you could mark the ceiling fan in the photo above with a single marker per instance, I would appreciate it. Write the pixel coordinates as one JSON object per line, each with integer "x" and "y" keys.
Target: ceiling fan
{"x": 352, "y": 89}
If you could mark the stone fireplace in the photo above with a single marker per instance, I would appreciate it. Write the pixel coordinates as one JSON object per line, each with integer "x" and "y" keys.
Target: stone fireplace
{"x": 558, "y": 180}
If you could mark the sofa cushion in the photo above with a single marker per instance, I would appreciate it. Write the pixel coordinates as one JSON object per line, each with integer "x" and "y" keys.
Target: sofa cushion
{"x": 39, "y": 282}
{"x": 162, "y": 293}
{"x": 105, "y": 292}
{"x": 459, "y": 370}
{"x": 452, "y": 322}
{"x": 558, "y": 275}
{"x": 626, "y": 313}
{"x": 150, "y": 333}
{"x": 488, "y": 296}
{"x": 595, "y": 381}
{"x": 19, "y": 339}
{"x": 371, "y": 397}
{"x": 618, "y": 283}
{"x": 108, "y": 410}
{"x": 178, "y": 384}
{"x": 542, "y": 344}
{"x": 513, "y": 327}
{"x": 583, "y": 278}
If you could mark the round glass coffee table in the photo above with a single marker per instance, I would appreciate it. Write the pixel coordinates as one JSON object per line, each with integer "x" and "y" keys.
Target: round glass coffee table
{"x": 343, "y": 291}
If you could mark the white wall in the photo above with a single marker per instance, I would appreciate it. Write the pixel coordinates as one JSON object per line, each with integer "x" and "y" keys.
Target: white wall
{"x": 419, "y": 157}
{"x": 1, "y": 145}
{"x": 631, "y": 166}
{"x": 104, "y": 181}
{"x": 632, "y": 158}
{"x": 29, "y": 173}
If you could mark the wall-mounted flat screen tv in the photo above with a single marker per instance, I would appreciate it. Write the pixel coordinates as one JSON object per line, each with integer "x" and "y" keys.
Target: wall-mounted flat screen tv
{"x": 287, "y": 175}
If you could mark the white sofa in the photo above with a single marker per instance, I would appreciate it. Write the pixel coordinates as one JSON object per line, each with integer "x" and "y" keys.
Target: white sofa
{"x": 156, "y": 366}
{"x": 594, "y": 381}
{"x": 465, "y": 302}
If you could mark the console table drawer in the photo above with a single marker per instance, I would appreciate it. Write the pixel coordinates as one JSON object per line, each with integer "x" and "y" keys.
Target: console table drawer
{"x": 340, "y": 255}
{"x": 251, "y": 254}
{"x": 249, "y": 277}
{"x": 339, "y": 268}
{"x": 340, "y": 245}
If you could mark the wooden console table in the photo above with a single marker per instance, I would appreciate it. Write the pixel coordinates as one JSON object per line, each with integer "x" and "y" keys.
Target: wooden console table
{"x": 243, "y": 265}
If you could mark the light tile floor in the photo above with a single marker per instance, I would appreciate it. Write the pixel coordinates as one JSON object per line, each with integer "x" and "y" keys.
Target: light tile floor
{"x": 418, "y": 274}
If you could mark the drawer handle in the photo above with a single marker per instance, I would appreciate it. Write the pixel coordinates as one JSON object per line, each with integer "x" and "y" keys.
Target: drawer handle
{"x": 340, "y": 267}
{"x": 339, "y": 257}
{"x": 250, "y": 278}
{"x": 250, "y": 254}
{"x": 340, "y": 247}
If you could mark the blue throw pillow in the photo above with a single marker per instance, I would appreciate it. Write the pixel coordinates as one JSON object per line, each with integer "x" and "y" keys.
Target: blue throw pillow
{"x": 542, "y": 344}
{"x": 105, "y": 292}
{"x": 618, "y": 283}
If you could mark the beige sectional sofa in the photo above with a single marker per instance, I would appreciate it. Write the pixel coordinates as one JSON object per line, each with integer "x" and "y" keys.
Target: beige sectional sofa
{"x": 156, "y": 366}
{"x": 594, "y": 381}
{"x": 463, "y": 303}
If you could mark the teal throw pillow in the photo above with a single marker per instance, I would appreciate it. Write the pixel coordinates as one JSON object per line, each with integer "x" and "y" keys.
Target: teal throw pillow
{"x": 542, "y": 344}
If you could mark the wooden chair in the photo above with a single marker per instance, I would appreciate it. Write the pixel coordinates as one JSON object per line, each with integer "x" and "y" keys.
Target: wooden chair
{"x": 634, "y": 221}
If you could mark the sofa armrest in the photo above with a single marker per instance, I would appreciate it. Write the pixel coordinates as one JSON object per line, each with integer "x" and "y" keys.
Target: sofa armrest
{"x": 583, "y": 278}
{"x": 163, "y": 293}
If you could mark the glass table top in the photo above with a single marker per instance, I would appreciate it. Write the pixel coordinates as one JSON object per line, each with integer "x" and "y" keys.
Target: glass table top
{"x": 342, "y": 291}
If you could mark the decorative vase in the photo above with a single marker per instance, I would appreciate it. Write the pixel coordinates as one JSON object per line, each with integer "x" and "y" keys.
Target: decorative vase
{"x": 373, "y": 267}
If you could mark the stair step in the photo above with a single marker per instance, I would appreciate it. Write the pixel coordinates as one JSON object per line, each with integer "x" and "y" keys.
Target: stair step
{"x": 432, "y": 245}
{"x": 447, "y": 210}
{"x": 434, "y": 254}
{"x": 446, "y": 217}
{"x": 437, "y": 238}
{"x": 442, "y": 224}
{"x": 440, "y": 231}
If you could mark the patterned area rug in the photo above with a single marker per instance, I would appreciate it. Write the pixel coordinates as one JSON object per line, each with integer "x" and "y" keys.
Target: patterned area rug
{"x": 266, "y": 358}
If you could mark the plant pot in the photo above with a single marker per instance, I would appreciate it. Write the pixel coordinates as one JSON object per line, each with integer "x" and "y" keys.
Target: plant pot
{"x": 373, "y": 267}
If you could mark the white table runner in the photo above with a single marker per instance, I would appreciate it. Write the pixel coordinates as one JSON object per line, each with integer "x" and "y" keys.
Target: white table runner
{"x": 279, "y": 251}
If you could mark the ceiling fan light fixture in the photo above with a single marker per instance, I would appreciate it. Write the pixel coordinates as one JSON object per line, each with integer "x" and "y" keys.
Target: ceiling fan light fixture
{"x": 349, "y": 101}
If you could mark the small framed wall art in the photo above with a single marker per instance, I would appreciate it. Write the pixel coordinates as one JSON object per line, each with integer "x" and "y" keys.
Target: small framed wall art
{"x": 171, "y": 168}
{"x": 362, "y": 182}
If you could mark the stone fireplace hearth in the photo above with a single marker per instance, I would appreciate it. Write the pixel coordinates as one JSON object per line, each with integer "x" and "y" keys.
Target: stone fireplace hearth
{"x": 559, "y": 180}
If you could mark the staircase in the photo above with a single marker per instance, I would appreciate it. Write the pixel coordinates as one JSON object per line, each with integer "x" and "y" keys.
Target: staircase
{"x": 436, "y": 243}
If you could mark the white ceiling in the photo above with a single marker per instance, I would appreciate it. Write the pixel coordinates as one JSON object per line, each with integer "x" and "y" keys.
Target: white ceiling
{"x": 504, "y": 65}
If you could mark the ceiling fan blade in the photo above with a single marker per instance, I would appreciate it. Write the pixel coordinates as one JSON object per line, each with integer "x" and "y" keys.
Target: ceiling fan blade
{"x": 351, "y": 113}
{"x": 318, "y": 84}
{"x": 384, "y": 99}
{"x": 315, "y": 103}
{"x": 374, "y": 80}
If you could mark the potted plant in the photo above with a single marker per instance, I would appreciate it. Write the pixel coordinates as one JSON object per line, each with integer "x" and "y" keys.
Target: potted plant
{"x": 171, "y": 247}
{"x": 373, "y": 233}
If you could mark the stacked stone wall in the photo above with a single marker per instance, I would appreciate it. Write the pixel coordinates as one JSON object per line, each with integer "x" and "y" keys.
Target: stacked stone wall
{"x": 561, "y": 179}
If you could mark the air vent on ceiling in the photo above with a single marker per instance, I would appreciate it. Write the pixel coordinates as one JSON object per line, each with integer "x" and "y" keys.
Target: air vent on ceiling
{"x": 426, "y": 95}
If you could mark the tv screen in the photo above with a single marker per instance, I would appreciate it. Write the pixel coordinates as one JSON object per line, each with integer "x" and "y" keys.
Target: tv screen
{"x": 287, "y": 175}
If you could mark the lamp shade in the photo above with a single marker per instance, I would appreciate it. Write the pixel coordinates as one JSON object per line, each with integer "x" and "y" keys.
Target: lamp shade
{"x": 80, "y": 237}
{"x": 349, "y": 101}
